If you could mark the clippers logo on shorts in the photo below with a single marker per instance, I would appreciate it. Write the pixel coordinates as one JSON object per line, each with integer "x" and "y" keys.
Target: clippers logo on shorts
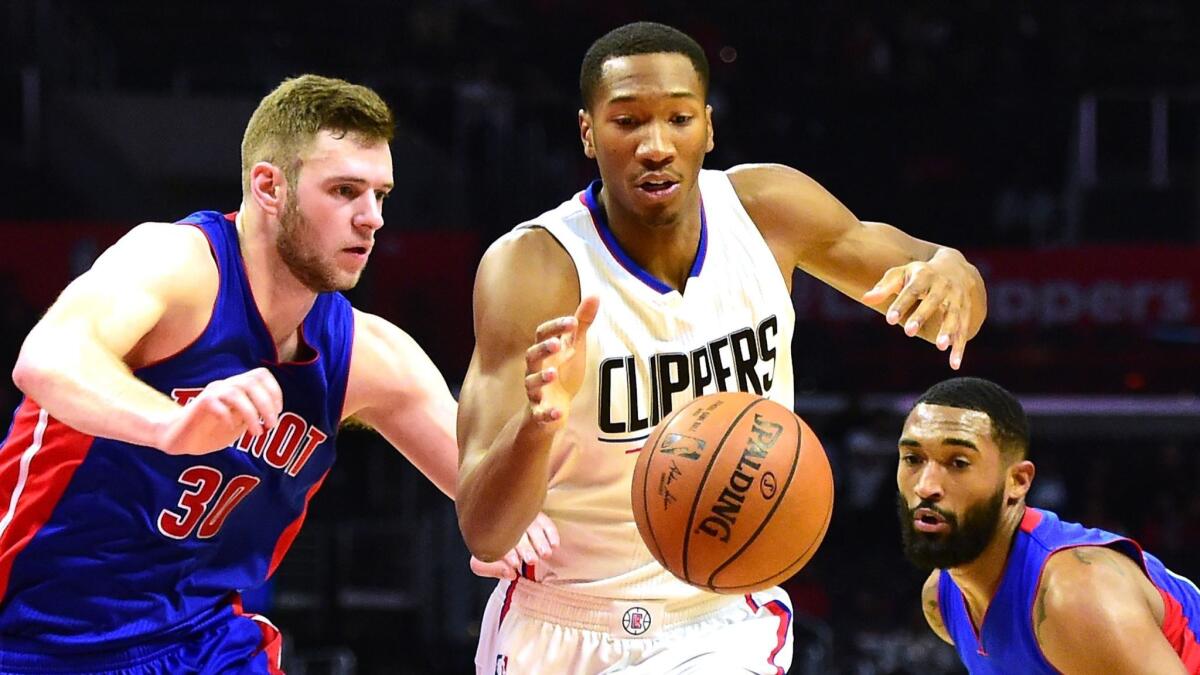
{"x": 501, "y": 665}
{"x": 724, "y": 512}
{"x": 743, "y": 360}
{"x": 636, "y": 621}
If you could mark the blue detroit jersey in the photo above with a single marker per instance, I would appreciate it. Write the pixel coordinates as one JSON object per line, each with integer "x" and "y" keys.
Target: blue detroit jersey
{"x": 1007, "y": 644}
{"x": 105, "y": 544}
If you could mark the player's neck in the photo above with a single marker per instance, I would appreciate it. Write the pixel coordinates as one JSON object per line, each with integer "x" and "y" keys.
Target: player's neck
{"x": 666, "y": 250}
{"x": 980, "y": 578}
{"x": 281, "y": 299}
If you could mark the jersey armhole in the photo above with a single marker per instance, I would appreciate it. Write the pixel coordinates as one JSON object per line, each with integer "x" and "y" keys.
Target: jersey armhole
{"x": 720, "y": 181}
{"x": 212, "y": 311}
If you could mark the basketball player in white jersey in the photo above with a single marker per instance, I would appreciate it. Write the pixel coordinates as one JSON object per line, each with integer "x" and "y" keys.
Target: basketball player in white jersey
{"x": 657, "y": 284}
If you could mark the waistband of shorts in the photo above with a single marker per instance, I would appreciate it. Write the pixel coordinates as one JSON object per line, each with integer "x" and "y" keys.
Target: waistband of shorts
{"x": 588, "y": 612}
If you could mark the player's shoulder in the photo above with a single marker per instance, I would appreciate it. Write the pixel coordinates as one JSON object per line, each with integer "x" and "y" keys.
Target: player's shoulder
{"x": 930, "y": 588}
{"x": 764, "y": 181}
{"x": 791, "y": 210}
{"x": 531, "y": 243}
{"x": 382, "y": 350}
{"x": 1080, "y": 579}
{"x": 161, "y": 254}
{"x": 387, "y": 365}
{"x": 166, "y": 248}
{"x": 374, "y": 332}
{"x": 527, "y": 259}
{"x": 525, "y": 278}
{"x": 1095, "y": 608}
{"x": 175, "y": 238}
{"x": 1086, "y": 562}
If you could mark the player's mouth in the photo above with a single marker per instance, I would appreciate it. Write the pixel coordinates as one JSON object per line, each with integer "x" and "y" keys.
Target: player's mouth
{"x": 358, "y": 252}
{"x": 928, "y": 520}
{"x": 658, "y": 186}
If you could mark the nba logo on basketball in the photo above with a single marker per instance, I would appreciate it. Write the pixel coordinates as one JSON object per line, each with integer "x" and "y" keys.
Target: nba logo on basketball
{"x": 636, "y": 621}
{"x": 682, "y": 446}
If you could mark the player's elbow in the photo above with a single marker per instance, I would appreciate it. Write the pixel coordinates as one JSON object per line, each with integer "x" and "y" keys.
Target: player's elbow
{"x": 480, "y": 534}
{"x": 31, "y": 374}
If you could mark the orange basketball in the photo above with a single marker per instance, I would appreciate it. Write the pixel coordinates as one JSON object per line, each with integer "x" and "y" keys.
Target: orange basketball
{"x": 732, "y": 493}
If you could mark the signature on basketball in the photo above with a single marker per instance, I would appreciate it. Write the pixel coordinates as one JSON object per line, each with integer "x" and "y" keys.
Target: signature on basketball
{"x": 664, "y": 484}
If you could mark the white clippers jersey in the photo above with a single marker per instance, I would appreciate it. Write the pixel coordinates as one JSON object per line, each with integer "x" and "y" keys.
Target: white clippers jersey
{"x": 650, "y": 351}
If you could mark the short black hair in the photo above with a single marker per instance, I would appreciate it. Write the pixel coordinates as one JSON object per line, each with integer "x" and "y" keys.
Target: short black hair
{"x": 642, "y": 37}
{"x": 1010, "y": 426}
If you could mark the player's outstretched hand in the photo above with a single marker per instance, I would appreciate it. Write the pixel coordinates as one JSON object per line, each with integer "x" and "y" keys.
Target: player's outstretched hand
{"x": 928, "y": 292}
{"x": 222, "y": 412}
{"x": 555, "y": 364}
{"x": 538, "y": 543}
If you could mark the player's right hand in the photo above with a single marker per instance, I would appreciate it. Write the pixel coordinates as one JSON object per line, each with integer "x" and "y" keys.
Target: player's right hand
{"x": 538, "y": 543}
{"x": 555, "y": 366}
{"x": 251, "y": 401}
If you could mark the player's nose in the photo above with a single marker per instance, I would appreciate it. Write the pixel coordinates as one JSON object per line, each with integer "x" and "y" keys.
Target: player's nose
{"x": 929, "y": 485}
{"x": 370, "y": 215}
{"x": 656, "y": 145}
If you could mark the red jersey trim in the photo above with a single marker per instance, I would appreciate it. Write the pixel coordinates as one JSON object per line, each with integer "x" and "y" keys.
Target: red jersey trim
{"x": 289, "y": 533}
{"x": 1179, "y": 633}
{"x": 271, "y": 644}
{"x": 780, "y": 611}
{"x": 1030, "y": 520}
{"x": 37, "y": 462}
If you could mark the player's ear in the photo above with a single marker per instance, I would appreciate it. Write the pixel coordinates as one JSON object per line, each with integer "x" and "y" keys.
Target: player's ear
{"x": 1020, "y": 479}
{"x": 585, "y": 134}
{"x": 268, "y": 187}
{"x": 708, "y": 118}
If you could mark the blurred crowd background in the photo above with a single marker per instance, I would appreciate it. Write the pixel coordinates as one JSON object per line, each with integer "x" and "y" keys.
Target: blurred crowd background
{"x": 1057, "y": 143}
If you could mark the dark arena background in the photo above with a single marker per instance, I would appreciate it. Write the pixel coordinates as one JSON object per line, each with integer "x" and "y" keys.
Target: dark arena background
{"x": 1056, "y": 143}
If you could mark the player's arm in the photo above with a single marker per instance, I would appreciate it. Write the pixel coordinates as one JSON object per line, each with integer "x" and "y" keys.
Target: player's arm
{"x": 1096, "y": 612}
{"x": 141, "y": 290}
{"x": 524, "y": 280}
{"x": 931, "y": 608}
{"x": 929, "y": 289}
{"x": 396, "y": 389}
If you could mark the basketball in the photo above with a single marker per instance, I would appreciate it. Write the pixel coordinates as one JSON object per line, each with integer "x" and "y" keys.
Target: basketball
{"x": 732, "y": 493}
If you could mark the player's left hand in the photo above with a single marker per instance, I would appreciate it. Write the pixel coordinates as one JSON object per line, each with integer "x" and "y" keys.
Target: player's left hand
{"x": 538, "y": 543}
{"x": 926, "y": 292}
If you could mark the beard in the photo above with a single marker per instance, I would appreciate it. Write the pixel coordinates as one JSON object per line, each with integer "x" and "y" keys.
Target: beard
{"x": 295, "y": 232}
{"x": 964, "y": 541}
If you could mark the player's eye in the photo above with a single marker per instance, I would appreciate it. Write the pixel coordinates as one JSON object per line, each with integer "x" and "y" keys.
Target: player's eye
{"x": 960, "y": 463}
{"x": 346, "y": 191}
{"x": 910, "y": 459}
{"x": 681, "y": 119}
{"x": 625, "y": 121}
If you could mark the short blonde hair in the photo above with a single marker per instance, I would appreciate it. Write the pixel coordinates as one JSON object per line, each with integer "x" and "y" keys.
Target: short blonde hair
{"x": 287, "y": 121}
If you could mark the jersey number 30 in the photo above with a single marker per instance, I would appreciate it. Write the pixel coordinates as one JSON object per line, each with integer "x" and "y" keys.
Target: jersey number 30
{"x": 202, "y": 506}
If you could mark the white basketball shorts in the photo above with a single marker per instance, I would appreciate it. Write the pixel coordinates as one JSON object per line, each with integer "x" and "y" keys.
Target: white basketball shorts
{"x": 531, "y": 628}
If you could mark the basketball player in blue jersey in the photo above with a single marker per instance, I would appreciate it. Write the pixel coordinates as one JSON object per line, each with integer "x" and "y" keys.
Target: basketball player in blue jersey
{"x": 658, "y": 283}
{"x": 1013, "y": 588}
{"x": 182, "y": 401}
